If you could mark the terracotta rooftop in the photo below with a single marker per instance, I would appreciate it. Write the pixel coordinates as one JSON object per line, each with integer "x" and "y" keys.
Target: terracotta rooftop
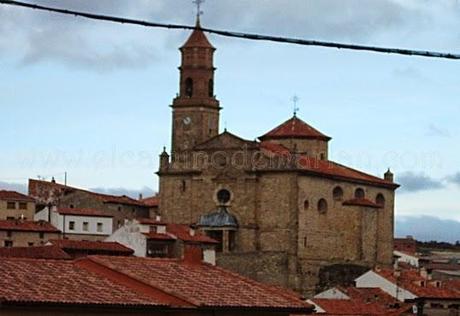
{"x": 362, "y": 202}
{"x": 31, "y": 281}
{"x": 294, "y": 128}
{"x": 152, "y": 201}
{"x": 410, "y": 280}
{"x": 202, "y": 284}
{"x": 42, "y": 252}
{"x": 15, "y": 196}
{"x": 28, "y": 226}
{"x": 197, "y": 39}
{"x": 44, "y": 191}
{"x": 125, "y": 282}
{"x": 83, "y": 212}
{"x": 157, "y": 236}
{"x": 103, "y": 246}
{"x": 363, "y": 301}
{"x": 182, "y": 232}
{"x": 327, "y": 168}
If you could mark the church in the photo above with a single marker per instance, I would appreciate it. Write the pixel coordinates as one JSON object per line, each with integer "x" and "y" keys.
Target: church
{"x": 283, "y": 213}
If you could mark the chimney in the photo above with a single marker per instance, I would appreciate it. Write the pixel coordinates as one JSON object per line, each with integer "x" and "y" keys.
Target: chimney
{"x": 193, "y": 254}
{"x": 53, "y": 180}
{"x": 158, "y": 218}
{"x": 140, "y": 196}
{"x": 192, "y": 232}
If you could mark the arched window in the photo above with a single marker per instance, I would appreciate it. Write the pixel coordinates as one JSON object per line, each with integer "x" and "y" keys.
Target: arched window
{"x": 306, "y": 205}
{"x": 189, "y": 87}
{"x": 211, "y": 88}
{"x": 359, "y": 193}
{"x": 380, "y": 200}
{"x": 337, "y": 193}
{"x": 322, "y": 206}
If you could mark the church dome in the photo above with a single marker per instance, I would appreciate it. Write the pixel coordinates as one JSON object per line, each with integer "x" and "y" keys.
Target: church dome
{"x": 219, "y": 219}
{"x": 294, "y": 128}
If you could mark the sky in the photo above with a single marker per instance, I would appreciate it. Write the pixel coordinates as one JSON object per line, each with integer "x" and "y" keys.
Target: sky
{"x": 92, "y": 98}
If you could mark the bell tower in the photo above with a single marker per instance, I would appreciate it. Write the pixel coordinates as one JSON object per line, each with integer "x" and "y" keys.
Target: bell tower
{"x": 195, "y": 109}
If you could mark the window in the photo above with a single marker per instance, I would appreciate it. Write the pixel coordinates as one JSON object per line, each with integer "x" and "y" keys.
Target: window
{"x": 71, "y": 225}
{"x": 41, "y": 235}
{"x": 11, "y": 205}
{"x": 218, "y": 236}
{"x": 119, "y": 209}
{"x": 9, "y": 234}
{"x": 231, "y": 240}
{"x": 30, "y": 244}
{"x": 23, "y": 206}
{"x": 211, "y": 88}
{"x": 380, "y": 200}
{"x": 224, "y": 196}
{"x": 8, "y": 244}
{"x": 157, "y": 250}
{"x": 100, "y": 227}
{"x": 337, "y": 193}
{"x": 10, "y": 218}
{"x": 85, "y": 226}
{"x": 359, "y": 193}
{"x": 322, "y": 206}
{"x": 306, "y": 205}
{"x": 189, "y": 87}
{"x": 322, "y": 157}
{"x": 183, "y": 186}
{"x": 72, "y": 206}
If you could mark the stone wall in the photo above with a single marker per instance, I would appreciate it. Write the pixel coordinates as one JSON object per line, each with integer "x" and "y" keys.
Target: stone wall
{"x": 26, "y": 239}
{"x": 16, "y": 213}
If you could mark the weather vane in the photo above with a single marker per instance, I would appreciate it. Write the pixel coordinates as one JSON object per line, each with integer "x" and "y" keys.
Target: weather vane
{"x": 198, "y": 4}
{"x": 295, "y": 100}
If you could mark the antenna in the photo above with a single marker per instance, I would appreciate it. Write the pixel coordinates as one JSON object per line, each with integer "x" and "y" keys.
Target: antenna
{"x": 295, "y": 100}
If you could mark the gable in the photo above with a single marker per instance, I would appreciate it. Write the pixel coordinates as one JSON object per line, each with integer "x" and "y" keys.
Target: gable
{"x": 227, "y": 140}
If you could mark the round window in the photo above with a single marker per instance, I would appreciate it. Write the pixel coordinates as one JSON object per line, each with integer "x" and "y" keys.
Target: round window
{"x": 224, "y": 196}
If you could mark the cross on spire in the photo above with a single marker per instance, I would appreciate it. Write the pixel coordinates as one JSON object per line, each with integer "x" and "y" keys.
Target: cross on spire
{"x": 198, "y": 4}
{"x": 295, "y": 100}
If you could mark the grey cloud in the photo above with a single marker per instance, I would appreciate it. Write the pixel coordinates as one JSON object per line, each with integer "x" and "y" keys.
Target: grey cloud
{"x": 10, "y": 186}
{"x": 454, "y": 178}
{"x": 102, "y": 46}
{"x": 427, "y": 228}
{"x": 412, "y": 182}
{"x": 145, "y": 191}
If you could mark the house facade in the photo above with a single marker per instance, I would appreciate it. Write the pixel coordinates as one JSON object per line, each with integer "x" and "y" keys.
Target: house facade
{"x": 20, "y": 233}
{"x": 15, "y": 205}
{"x": 78, "y": 223}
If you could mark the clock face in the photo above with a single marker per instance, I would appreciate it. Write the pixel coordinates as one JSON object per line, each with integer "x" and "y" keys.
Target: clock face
{"x": 187, "y": 120}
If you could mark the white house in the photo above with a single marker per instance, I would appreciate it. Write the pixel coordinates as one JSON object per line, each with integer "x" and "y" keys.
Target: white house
{"x": 411, "y": 259}
{"x": 153, "y": 238}
{"x": 78, "y": 223}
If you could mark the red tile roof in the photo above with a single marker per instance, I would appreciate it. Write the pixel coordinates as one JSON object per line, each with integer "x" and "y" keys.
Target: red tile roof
{"x": 46, "y": 191}
{"x": 182, "y": 232}
{"x": 410, "y": 280}
{"x": 157, "y": 236}
{"x": 63, "y": 282}
{"x": 363, "y": 301}
{"x": 361, "y": 202}
{"x": 42, "y": 252}
{"x": 84, "y": 245}
{"x": 125, "y": 282}
{"x": 294, "y": 128}
{"x": 15, "y": 196}
{"x": 197, "y": 39}
{"x": 150, "y": 221}
{"x": 83, "y": 212}
{"x": 202, "y": 285}
{"x": 153, "y": 201}
{"x": 28, "y": 226}
{"x": 327, "y": 168}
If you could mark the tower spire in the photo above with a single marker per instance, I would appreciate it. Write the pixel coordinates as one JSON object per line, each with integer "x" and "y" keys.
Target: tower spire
{"x": 199, "y": 12}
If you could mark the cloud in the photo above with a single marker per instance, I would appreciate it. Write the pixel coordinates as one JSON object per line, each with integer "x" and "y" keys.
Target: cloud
{"x": 455, "y": 178}
{"x": 412, "y": 182}
{"x": 10, "y": 186}
{"x": 145, "y": 191}
{"x": 103, "y": 46}
{"x": 427, "y": 228}
{"x": 435, "y": 131}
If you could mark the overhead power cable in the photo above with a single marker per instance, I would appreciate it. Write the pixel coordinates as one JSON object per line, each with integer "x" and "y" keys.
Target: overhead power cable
{"x": 248, "y": 36}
